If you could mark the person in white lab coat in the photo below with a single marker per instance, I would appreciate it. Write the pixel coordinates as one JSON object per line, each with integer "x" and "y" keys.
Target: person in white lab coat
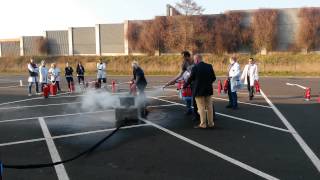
{"x": 54, "y": 74}
{"x": 43, "y": 74}
{"x": 101, "y": 72}
{"x": 249, "y": 76}
{"x": 33, "y": 76}
{"x": 234, "y": 84}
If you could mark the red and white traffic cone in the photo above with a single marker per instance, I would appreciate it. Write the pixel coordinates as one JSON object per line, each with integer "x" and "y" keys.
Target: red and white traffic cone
{"x": 219, "y": 87}
{"x": 308, "y": 94}
{"x": 113, "y": 86}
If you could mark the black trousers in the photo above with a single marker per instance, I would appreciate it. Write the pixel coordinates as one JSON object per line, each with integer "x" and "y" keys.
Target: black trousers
{"x": 69, "y": 81}
{"x": 250, "y": 88}
{"x": 195, "y": 108}
{"x": 81, "y": 79}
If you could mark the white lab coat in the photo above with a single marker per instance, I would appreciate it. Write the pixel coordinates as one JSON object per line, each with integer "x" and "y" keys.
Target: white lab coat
{"x": 234, "y": 75}
{"x": 43, "y": 74}
{"x": 32, "y": 69}
{"x": 250, "y": 70}
{"x": 101, "y": 70}
{"x": 54, "y": 74}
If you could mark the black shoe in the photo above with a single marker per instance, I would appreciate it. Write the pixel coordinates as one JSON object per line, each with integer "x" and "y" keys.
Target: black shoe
{"x": 235, "y": 108}
{"x": 229, "y": 106}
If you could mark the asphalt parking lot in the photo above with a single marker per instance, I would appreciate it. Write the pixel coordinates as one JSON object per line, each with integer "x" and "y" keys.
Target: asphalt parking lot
{"x": 275, "y": 136}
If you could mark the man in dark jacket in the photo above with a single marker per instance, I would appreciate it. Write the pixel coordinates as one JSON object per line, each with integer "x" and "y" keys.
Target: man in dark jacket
{"x": 202, "y": 76}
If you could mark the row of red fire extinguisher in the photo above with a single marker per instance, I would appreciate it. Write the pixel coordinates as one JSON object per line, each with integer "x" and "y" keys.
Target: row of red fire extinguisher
{"x": 226, "y": 84}
{"x": 52, "y": 89}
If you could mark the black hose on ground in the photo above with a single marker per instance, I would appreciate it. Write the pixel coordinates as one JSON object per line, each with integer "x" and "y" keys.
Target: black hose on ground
{"x": 36, "y": 166}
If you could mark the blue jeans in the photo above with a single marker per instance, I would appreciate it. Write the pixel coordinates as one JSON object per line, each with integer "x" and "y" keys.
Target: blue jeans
{"x": 234, "y": 101}
{"x": 233, "y": 97}
{"x": 30, "y": 87}
{"x": 188, "y": 101}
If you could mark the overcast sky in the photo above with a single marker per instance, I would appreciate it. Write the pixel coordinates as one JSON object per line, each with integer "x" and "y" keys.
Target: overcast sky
{"x": 33, "y": 17}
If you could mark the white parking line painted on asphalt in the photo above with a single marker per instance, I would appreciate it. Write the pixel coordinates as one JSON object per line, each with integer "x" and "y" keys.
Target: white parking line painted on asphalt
{"x": 312, "y": 156}
{"x": 232, "y": 117}
{"x": 298, "y": 85}
{"x": 40, "y": 105}
{"x": 98, "y": 131}
{"x": 253, "y": 122}
{"x": 251, "y": 104}
{"x": 73, "y": 114}
{"x": 69, "y": 135}
{"x": 213, "y": 152}
{"x": 21, "y": 142}
{"x": 6, "y": 87}
{"x": 54, "y": 116}
{"x": 55, "y": 156}
{"x": 29, "y": 99}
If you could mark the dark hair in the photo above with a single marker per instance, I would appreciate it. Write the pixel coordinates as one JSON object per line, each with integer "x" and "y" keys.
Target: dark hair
{"x": 186, "y": 54}
{"x": 251, "y": 58}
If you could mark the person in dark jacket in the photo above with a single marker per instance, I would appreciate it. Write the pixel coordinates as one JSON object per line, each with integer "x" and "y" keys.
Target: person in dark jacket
{"x": 186, "y": 66}
{"x": 68, "y": 72}
{"x": 141, "y": 84}
{"x": 202, "y": 76}
{"x": 139, "y": 78}
{"x": 80, "y": 73}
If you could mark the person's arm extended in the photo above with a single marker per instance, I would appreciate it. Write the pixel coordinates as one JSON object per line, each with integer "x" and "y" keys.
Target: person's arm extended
{"x": 173, "y": 81}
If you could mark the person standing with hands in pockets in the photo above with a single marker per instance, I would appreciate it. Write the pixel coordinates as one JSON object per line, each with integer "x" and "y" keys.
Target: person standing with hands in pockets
{"x": 33, "y": 76}
{"x": 54, "y": 74}
{"x": 80, "y": 73}
{"x": 43, "y": 73}
{"x": 234, "y": 83}
{"x": 68, "y": 72}
{"x": 250, "y": 76}
{"x": 101, "y": 72}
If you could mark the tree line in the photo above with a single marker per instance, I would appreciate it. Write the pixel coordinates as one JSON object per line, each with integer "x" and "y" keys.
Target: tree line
{"x": 223, "y": 33}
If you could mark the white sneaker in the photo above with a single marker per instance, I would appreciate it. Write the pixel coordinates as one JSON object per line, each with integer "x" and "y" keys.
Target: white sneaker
{"x": 29, "y": 95}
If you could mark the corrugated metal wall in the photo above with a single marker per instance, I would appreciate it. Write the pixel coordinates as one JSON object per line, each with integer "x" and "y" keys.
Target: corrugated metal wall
{"x": 57, "y": 43}
{"x": 84, "y": 41}
{"x": 112, "y": 38}
{"x": 31, "y": 45}
{"x": 10, "y": 48}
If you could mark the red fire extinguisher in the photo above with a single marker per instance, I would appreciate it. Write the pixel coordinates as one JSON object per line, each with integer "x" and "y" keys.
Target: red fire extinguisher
{"x": 133, "y": 88}
{"x": 257, "y": 86}
{"x": 225, "y": 86}
{"x": 219, "y": 87}
{"x": 113, "y": 86}
{"x": 46, "y": 91}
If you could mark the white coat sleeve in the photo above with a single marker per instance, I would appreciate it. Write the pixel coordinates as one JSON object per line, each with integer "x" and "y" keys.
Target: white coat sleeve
{"x": 256, "y": 73}
{"x": 245, "y": 70}
{"x": 30, "y": 68}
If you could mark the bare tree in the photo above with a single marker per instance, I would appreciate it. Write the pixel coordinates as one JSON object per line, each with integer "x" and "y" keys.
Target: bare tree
{"x": 188, "y": 8}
